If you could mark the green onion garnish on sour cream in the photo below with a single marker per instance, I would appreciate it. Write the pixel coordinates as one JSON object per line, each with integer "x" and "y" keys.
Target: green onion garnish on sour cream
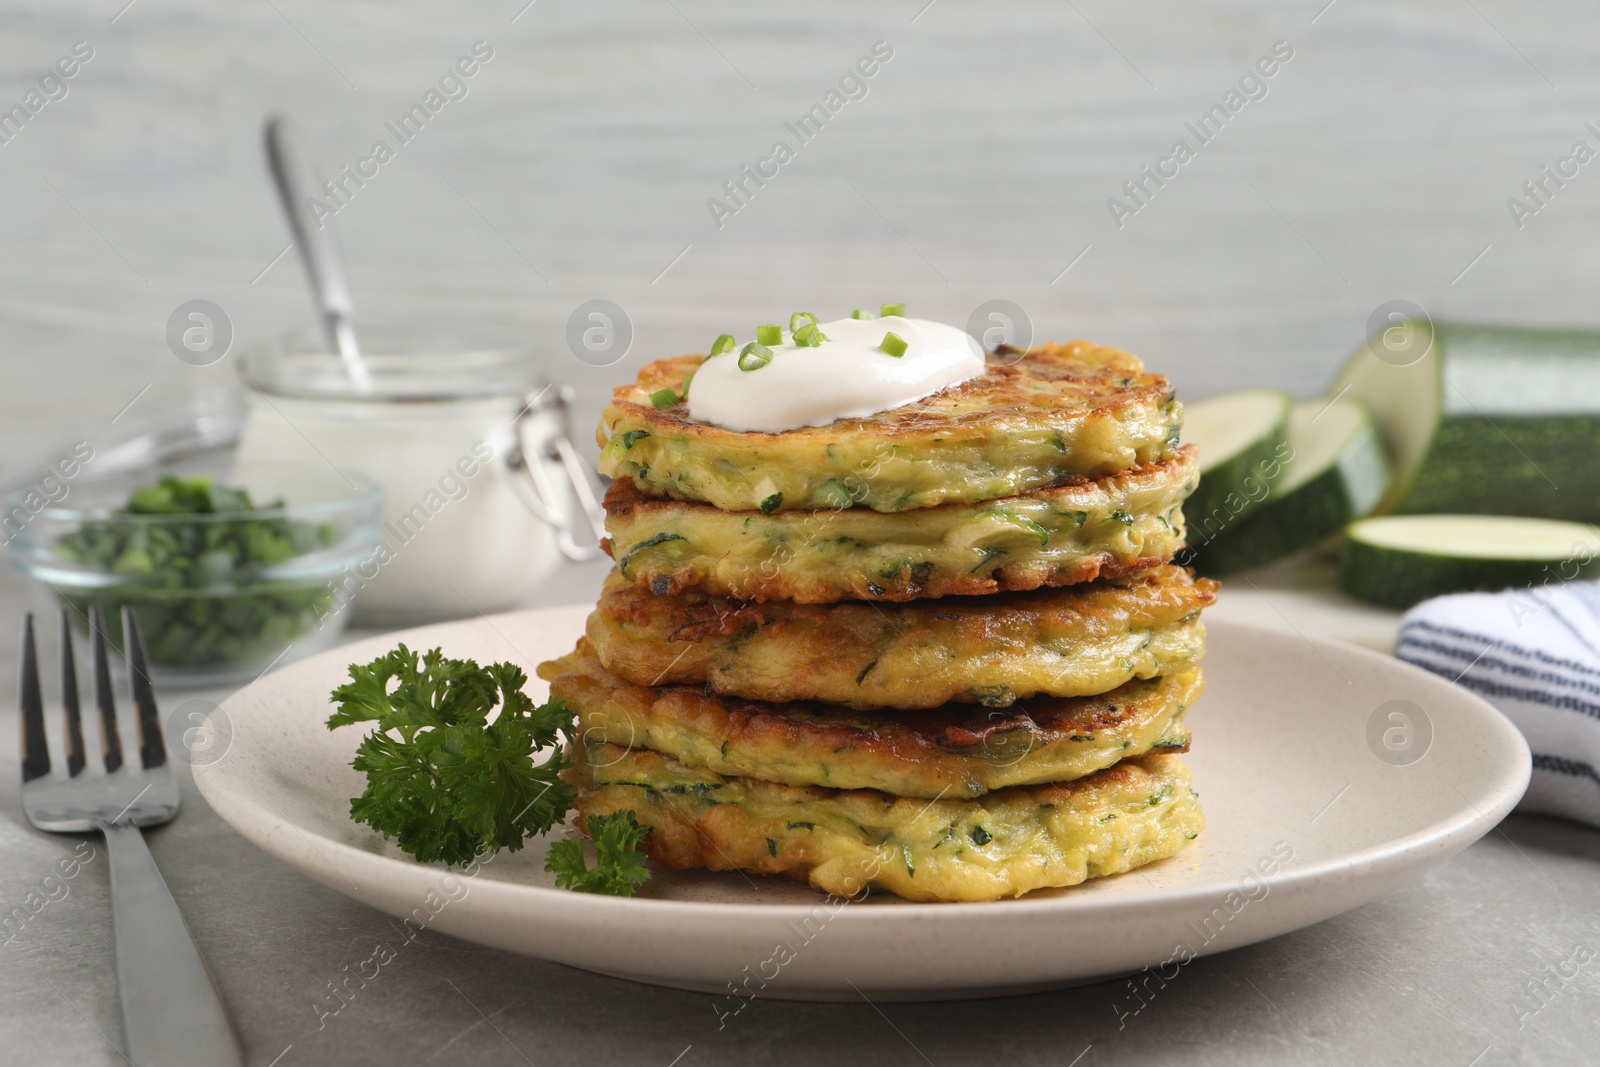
{"x": 809, "y": 336}
{"x": 823, "y": 371}
{"x": 754, "y": 356}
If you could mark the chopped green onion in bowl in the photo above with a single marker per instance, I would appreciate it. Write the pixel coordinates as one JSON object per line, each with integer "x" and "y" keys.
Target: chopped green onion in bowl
{"x": 223, "y": 582}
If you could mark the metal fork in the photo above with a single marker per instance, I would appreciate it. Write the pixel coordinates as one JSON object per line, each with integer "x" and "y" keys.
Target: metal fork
{"x": 171, "y": 1013}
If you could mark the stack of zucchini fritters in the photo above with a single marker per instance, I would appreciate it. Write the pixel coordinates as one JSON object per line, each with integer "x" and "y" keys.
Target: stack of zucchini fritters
{"x": 940, "y": 651}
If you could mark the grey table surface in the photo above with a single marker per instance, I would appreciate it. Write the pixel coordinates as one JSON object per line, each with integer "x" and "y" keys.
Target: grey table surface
{"x": 979, "y": 165}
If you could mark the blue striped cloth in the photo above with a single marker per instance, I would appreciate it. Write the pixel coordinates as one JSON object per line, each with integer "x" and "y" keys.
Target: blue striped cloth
{"x": 1535, "y": 655}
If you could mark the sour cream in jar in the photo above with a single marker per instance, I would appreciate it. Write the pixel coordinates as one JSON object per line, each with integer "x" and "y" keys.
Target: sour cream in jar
{"x": 435, "y": 431}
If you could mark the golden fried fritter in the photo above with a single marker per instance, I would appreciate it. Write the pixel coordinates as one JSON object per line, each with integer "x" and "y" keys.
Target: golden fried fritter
{"x": 1074, "y": 641}
{"x": 1057, "y": 414}
{"x": 1003, "y": 844}
{"x": 955, "y": 751}
{"x": 1111, "y": 526}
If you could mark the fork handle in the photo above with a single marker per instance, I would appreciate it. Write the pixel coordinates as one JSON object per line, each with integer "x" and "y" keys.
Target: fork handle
{"x": 171, "y": 1012}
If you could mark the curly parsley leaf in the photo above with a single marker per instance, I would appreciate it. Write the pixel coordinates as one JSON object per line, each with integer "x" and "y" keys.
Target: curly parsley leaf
{"x": 442, "y": 779}
{"x": 619, "y": 866}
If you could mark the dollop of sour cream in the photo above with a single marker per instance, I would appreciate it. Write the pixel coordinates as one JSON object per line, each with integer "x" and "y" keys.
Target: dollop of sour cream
{"x": 846, "y": 376}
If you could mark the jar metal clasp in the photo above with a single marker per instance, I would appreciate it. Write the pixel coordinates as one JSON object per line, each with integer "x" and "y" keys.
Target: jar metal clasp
{"x": 542, "y": 438}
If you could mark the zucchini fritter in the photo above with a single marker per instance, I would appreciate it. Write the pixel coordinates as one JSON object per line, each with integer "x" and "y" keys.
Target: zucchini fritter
{"x": 1002, "y": 844}
{"x": 954, "y": 751}
{"x": 1061, "y": 412}
{"x": 1072, "y": 533}
{"x": 1075, "y": 641}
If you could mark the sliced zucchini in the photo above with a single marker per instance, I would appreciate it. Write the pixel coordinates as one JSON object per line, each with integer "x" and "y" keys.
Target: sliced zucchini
{"x": 1336, "y": 471}
{"x": 1242, "y": 447}
{"x": 1487, "y": 420}
{"x": 1398, "y": 560}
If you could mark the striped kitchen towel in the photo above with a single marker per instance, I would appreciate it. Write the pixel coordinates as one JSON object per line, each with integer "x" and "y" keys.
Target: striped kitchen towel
{"x": 1534, "y": 654}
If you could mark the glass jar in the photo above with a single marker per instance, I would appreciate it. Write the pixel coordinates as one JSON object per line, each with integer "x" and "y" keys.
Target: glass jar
{"x": 483, "y": 490}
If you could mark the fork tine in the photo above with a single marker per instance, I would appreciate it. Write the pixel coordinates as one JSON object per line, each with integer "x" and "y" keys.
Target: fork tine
{"x": 72, "y": 717}
{"x": 35, "y": 752}
{"x": 105, "y": 700}
{"x": 152, "y": 750}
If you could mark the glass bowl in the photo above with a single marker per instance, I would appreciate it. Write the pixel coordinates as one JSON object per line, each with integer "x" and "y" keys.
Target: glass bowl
{"x": 228, "y": 568}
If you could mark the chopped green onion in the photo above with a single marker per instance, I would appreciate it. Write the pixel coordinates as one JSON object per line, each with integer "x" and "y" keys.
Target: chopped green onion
{"x": 686, "y": 382}
{"x": 754, "y": 356}
{"x": 893, "y": 309}
{"x": 809, "y": 336}
{"x": 723, "y": 343}
{"x": 799, "y": 318}
{"x": 859, "y": 314}
{"x": 664, "y": 398}
{"x": 769, "y": 335}
{"x": 893, "y": 344}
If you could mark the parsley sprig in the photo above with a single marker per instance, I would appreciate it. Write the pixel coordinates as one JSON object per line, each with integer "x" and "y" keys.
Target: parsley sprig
{"x": 449, "y": 784}
{"x": 618, "y": 868}
{"x": 442, "y": 779}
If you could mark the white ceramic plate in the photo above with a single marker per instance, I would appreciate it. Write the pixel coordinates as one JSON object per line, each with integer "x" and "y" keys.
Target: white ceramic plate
{"x": 1305, "y": 820}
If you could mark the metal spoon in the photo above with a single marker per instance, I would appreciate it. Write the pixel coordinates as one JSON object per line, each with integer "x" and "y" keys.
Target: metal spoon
{"x": 329, "y": 289}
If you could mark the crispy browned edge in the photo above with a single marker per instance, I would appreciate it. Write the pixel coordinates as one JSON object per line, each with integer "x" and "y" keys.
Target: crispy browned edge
{"x": 698, "y": 616}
